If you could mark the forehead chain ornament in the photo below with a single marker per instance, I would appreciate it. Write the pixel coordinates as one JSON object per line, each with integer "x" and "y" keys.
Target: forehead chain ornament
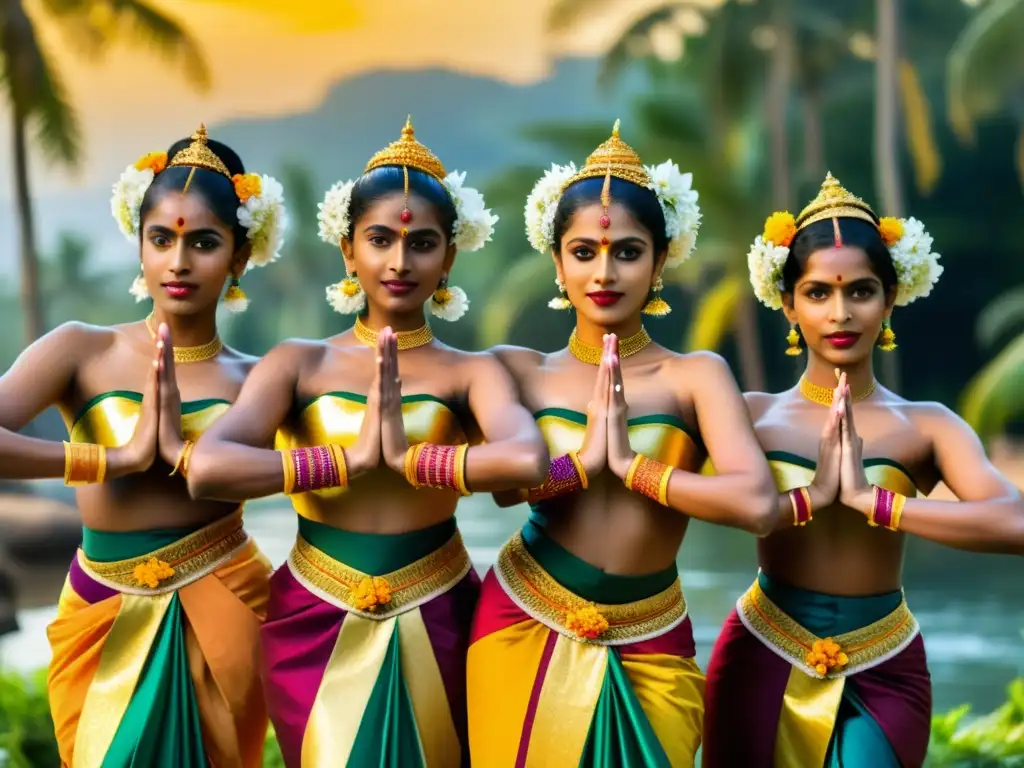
{"x": 606, "y": 198}
{"x": 406, "y": 215}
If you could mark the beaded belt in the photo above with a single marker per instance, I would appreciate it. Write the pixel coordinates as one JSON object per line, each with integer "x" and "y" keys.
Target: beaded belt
{"x": 537, "y": 593}
{"x": 379, "y": 597}
{"x": 174, "y": 566}
{"x": 830, "y": 657}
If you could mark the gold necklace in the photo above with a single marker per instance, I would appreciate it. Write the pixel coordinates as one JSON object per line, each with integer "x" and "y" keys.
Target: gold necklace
{"x": 587, "y": 353}
{"x": 823, "y": 395}
{"x": 197, "y": 354}
{"x": 406, "y": 339}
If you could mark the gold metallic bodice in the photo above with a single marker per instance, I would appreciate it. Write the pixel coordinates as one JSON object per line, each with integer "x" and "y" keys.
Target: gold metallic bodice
{"x": 792, "y": 471}
{"x": 661, "y": 437}
{"x": 337, "y": 417}
{"x": 109, "y": 419}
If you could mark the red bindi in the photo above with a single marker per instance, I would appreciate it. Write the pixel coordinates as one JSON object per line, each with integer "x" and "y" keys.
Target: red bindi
{"x": 839, "y": 278}
{"x": 605, "y": 241}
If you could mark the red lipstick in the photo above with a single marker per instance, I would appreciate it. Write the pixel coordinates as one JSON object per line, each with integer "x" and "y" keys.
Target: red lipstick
{"x": 399, "y": 287}
{"x": 605, "y": 298}
{"x": 843, "y": 339}
{"x": 179, "y": 290}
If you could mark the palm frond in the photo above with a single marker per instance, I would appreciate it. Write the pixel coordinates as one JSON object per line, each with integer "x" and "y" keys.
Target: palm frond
{"x": 920, "y": 132}
{"x": 992, "y": 398}
{"x": 1002, "y": 315}
{"x": 528, "y": 280}
{"x": 621, "y": 54}
{"x": 715, "y": 314}
{"x": 166, "y": 35}
{"x": 985, "y": 62}
{"x": 565, "y": 14}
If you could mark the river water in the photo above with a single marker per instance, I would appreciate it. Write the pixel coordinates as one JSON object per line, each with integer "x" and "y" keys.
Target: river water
{"x": 970, "y": 607}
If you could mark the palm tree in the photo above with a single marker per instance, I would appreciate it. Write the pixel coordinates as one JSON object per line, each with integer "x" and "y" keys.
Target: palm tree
{"x": 986, "y": 71}
{"x": 992, "y": 398}
{"x": 40, "y": 105}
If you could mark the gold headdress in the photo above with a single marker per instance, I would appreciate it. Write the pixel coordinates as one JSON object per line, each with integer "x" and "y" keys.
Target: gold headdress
{"x": 613, "y": 158}
{"x": 407, "y": 152}
{"x": 834, "y": 202}
{"x": 199, "y": 155}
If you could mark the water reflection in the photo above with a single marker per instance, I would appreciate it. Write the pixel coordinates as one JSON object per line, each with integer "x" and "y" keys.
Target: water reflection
{"x": 970, "y": 607}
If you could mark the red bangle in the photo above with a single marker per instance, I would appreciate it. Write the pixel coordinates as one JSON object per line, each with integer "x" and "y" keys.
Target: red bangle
{"x": 437, "y": 466}
{"x": 310, "y": 469}
{"x": 800, "y": 498}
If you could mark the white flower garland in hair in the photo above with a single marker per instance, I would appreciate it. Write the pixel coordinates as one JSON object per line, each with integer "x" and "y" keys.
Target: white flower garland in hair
{"x": 333, "y": 213}
{"x": 910, "y": 246}
{"x": 474, "y": 222}
{"x": 674, "y": 190}
{"x": 542, "y": 203}
{"x": 261, "y": 210}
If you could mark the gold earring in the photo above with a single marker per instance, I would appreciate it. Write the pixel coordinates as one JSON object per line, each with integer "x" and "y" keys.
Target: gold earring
{"x": 562, "y": 300}
{"x": 656, "y": 305}
{"x": 887, "y": 338}
{"x": 793, "y": 338}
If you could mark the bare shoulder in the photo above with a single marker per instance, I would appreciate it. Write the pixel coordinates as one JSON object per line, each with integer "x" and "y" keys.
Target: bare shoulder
{"x": 931, "y": 418}
{"x": 518, "y": 360}
{"x": 759, "y": 403}
{"x": 81, "y": 341}
{"x": 297, "y": 354}
{"x": 700, "y": 368}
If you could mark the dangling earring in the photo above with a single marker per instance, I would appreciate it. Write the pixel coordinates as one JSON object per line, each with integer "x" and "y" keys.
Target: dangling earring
{"x": 448, "y": 303}
{"x": 347, "y": 297}
{"x": 656, "y": 305}
{"x": 138, "y": 288}
{"x": 887, "y": 338}
{"x": 562, "y": 300}
{"x": 793, "y": 338}
{"x": 235, "y": 299}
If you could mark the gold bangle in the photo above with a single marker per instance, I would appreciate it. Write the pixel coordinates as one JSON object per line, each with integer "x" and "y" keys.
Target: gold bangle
{"x": 341, "y": 463}
{"x": 897, "y": 511}
{"x": 649, "y": 477}
{"x": 796, "y": 497}
{"x": 84, "y": 463}
{"x": 411, "y": 459}
{"x": 632, "y": 470}
{"x": 666, "y": 475}
{"x": 574, "y": 456}
{"x": 181, "y": 465}
{"x": 460, "y": 469}
{"x": 289, "y": 472}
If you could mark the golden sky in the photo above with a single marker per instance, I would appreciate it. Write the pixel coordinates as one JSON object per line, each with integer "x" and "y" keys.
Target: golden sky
{"x": 271, "y": 57}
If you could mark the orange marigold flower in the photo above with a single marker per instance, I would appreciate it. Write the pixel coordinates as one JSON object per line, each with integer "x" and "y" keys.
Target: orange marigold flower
{"x": 152, "y": 572}
{"x": 372, "y": 592}
{"x": 891, "y": 230}
{"x": 780, "y": 228}
{"x": 154, "y": 161}
{"x": 247, "y": 185}
{"x": 586, "y": 622}
{"x": 825, "y": 656}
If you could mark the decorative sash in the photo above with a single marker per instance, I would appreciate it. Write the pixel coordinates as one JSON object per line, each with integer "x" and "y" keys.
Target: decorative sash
{"x": 537, "y": 593}
{"x": 826, "y": 658}
{"x": 170, "y": 568}
{"x": 379, "y": 597}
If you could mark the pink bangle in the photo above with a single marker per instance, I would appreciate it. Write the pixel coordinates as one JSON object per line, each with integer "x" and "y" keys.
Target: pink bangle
{"x": 886, "y": 508}
{"x": 565, "y": 475}
{"x": 321, "y": 466}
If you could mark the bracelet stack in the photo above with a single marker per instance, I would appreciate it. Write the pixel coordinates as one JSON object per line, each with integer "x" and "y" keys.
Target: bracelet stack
{"x": 565, "y": 475}
{"x": 84, "y": 463}
{"x": 800, "y": 498}
{"x": 437, "y": 466}
{"x": 181, "y": 465}
{"x": 649, "y": 477}
{"x": 886, "y": 509}
{"x": 311, "y": 469}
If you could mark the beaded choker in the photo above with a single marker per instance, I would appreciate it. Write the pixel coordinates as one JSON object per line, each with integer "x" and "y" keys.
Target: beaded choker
{"x": 823, "y": 395}
{"x": 591, "y": 355}
{"x": 198, "y": 354}
{"x": 406, "y": 339}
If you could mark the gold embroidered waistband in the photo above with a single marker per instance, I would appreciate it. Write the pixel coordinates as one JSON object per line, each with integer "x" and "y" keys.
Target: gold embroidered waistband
{"x": 174, "y": 566}
{"x": 829, "y": 657}
{"x": 379, "y": 597}
{"x": 535, "y": 591}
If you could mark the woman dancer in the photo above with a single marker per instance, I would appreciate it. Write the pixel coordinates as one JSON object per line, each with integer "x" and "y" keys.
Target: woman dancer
{"x": 155, "y": 644}
{"x": 821, "y": 663}
{"x": 369, "y": 620}
{"x": 582, "y": 649}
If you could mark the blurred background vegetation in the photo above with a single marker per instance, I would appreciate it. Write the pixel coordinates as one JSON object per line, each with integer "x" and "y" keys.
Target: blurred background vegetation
{"x": 916, "y": 105}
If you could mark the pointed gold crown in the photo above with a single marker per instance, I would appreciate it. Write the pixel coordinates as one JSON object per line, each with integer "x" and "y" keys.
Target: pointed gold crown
{"x": 613, "y": 158}
{"x": 407, "y": 152}
{"x": 199, "y": 155}
{"x": 834, "y": 202}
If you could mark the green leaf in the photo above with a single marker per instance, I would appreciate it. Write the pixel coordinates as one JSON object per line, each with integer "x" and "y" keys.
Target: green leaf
{"x": 1001, "y": 315}
{"x": 992, "y": 398}
{"x": 715, "y": 314}
{"x": 527, "y": 281}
